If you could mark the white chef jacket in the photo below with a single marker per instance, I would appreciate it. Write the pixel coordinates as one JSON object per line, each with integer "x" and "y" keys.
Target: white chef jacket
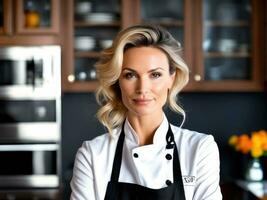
{"x": 198, "y": 155}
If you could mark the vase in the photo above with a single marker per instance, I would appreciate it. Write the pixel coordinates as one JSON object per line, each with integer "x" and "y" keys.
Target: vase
{"x": 254, "y": 171}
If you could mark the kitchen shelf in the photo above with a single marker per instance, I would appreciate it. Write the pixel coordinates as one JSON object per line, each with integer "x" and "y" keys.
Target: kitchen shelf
{"x": 226, "y": 23}
{"x": 95, "y": 24}
{"x": 227, "y": 55}
{"x": 167, "y": 22}
{"x": 84, "y": 86}
{"x": 89, "y": 54}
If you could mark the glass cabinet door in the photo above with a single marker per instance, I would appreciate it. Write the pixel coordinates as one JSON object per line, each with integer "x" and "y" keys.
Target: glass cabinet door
{"x": 226, "y": 40}
{"x": 5, "y": 17}
{"x": 40, "y": 16}
{"x": 175, "y": 16}
{"x": 1, "y": 16}
{"x": 169, "y": 14}
{"x": 96, "y": 23}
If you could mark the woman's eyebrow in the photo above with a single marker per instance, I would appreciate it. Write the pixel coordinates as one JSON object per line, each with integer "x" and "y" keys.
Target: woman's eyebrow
{"x": 152, "y": 70}
{"x": 129, "y": 69}
{"x": 158, "y": 68}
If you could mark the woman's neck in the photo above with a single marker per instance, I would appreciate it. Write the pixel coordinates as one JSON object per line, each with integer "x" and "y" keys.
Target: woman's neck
{"x": 145, "y": 127}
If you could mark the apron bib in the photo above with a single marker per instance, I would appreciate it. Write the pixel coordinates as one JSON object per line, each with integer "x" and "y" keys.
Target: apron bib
{"x": 127, "y": 191}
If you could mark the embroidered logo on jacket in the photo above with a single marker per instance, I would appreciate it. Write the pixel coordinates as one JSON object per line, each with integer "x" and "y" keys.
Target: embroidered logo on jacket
{"x": 189, "y": 180}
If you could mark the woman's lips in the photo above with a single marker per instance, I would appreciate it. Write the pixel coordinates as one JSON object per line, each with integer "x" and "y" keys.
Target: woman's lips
{"x": 142, "y": 101}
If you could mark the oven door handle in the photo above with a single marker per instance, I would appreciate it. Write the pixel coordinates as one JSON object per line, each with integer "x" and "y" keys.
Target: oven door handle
{"x": 29, "y": 147}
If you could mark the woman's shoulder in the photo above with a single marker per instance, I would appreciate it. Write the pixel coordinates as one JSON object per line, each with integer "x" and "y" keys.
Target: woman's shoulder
{"x": 99, "y": 142}
{"x": 195, "y": 145}
{"x": 191, "y": 136}
{"x": 94, "y": 150}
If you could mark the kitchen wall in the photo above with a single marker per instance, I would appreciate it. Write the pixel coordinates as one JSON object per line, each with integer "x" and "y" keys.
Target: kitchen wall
{"x": 219, "y": 114}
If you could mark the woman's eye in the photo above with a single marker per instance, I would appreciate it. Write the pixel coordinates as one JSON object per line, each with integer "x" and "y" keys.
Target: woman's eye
{"x": 156, "y": 74}
{"x": 129, "y": 75}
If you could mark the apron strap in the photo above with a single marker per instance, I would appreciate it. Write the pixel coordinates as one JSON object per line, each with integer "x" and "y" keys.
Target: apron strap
{"x": 170, "y": 139}
{"x": 118, "y": 157}
{"x": 177, "y": 175}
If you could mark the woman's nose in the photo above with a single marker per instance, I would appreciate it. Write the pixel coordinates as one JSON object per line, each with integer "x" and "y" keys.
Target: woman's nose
{"x": 142, "y": 86}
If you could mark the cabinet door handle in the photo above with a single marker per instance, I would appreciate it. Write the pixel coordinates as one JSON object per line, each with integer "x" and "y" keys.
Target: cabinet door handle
{"x": 71, "y": 78}
{"x": 197, "y": 77}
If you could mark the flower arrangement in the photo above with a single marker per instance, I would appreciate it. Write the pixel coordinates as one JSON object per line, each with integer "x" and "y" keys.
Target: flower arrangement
{"x": 255, "y": 143}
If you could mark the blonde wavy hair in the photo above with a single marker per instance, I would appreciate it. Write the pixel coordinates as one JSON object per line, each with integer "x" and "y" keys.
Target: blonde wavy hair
{"x": 112, "y": 112}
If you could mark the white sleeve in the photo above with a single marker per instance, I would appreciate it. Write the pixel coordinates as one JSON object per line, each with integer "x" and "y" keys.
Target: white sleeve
{"x": 82, "y": 180}
{"x": 208, "y": 171}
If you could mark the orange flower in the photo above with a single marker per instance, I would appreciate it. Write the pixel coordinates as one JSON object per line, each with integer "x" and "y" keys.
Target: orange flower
{"x": 244, "y": 144}
{"x": 256, "y": 152}
{"x": 264, "y": 146}
{"x": 256, "y": 139}
{"x": 255, "y": 144}
{"x": 233, "y": 140}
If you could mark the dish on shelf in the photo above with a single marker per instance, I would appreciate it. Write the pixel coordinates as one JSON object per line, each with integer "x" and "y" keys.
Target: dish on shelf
{"x": 227, "y": 45}
{"x": 105, "y": 43}
{"x": 81, "y": 76}
{"x": 84, "y": 43}
{"x": 92, "y": 74}
{"x": 83, "y": 8}
{"x": 100, "y": 17}
{"x": 89, "y": 74}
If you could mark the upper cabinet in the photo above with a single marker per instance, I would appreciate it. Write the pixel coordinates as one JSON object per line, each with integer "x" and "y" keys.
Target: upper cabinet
{"x": 21, "y": 18}
{"x": 222, "y": 40}
{"x": 5, "y": 17}
{"x": 169, "y": 14}
{"x": 92, "y": 25}
{"x": 37, "y": 16}
{"x": 229, "y": 53}
{"x": 175, "y": 16}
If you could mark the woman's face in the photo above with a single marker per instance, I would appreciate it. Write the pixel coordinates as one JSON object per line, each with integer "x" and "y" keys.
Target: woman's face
{"x": 145, "y": 80}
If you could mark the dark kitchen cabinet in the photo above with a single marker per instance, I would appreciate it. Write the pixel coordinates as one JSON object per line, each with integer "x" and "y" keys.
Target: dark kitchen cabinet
{"x": 91, "y": 27}
{"x": 29, "y": 21}
{"x": 222, "y": 40}
{"x": 5, "y": 17}
{"x": 97, "y": 26}
{"x": 29, "y": 17}
{"x": 229, "y": 48}
{"x": 177, "y": 17}
{"x": 37, "y": 17}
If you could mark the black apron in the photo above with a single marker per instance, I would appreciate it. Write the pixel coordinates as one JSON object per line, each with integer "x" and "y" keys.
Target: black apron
{"x": 128, "y": 191}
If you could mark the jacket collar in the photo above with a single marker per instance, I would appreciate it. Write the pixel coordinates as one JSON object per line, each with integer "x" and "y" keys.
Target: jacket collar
{"x": 159, "y": 136}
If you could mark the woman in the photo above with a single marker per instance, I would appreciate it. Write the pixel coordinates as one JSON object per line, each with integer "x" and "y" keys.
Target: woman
{"x": 143, "y": 156}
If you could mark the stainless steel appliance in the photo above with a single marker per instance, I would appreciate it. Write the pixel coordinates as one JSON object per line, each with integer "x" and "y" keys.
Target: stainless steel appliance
{"x": 30, "y": 119}
{"x": 30, "y": 93}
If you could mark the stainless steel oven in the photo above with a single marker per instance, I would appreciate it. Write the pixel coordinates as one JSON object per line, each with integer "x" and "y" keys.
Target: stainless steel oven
{"x": 29, "y": 166}
{"x": 29, "y": 71}
{"x": 30, "y": 94}
{"x": 30, "y": 120}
